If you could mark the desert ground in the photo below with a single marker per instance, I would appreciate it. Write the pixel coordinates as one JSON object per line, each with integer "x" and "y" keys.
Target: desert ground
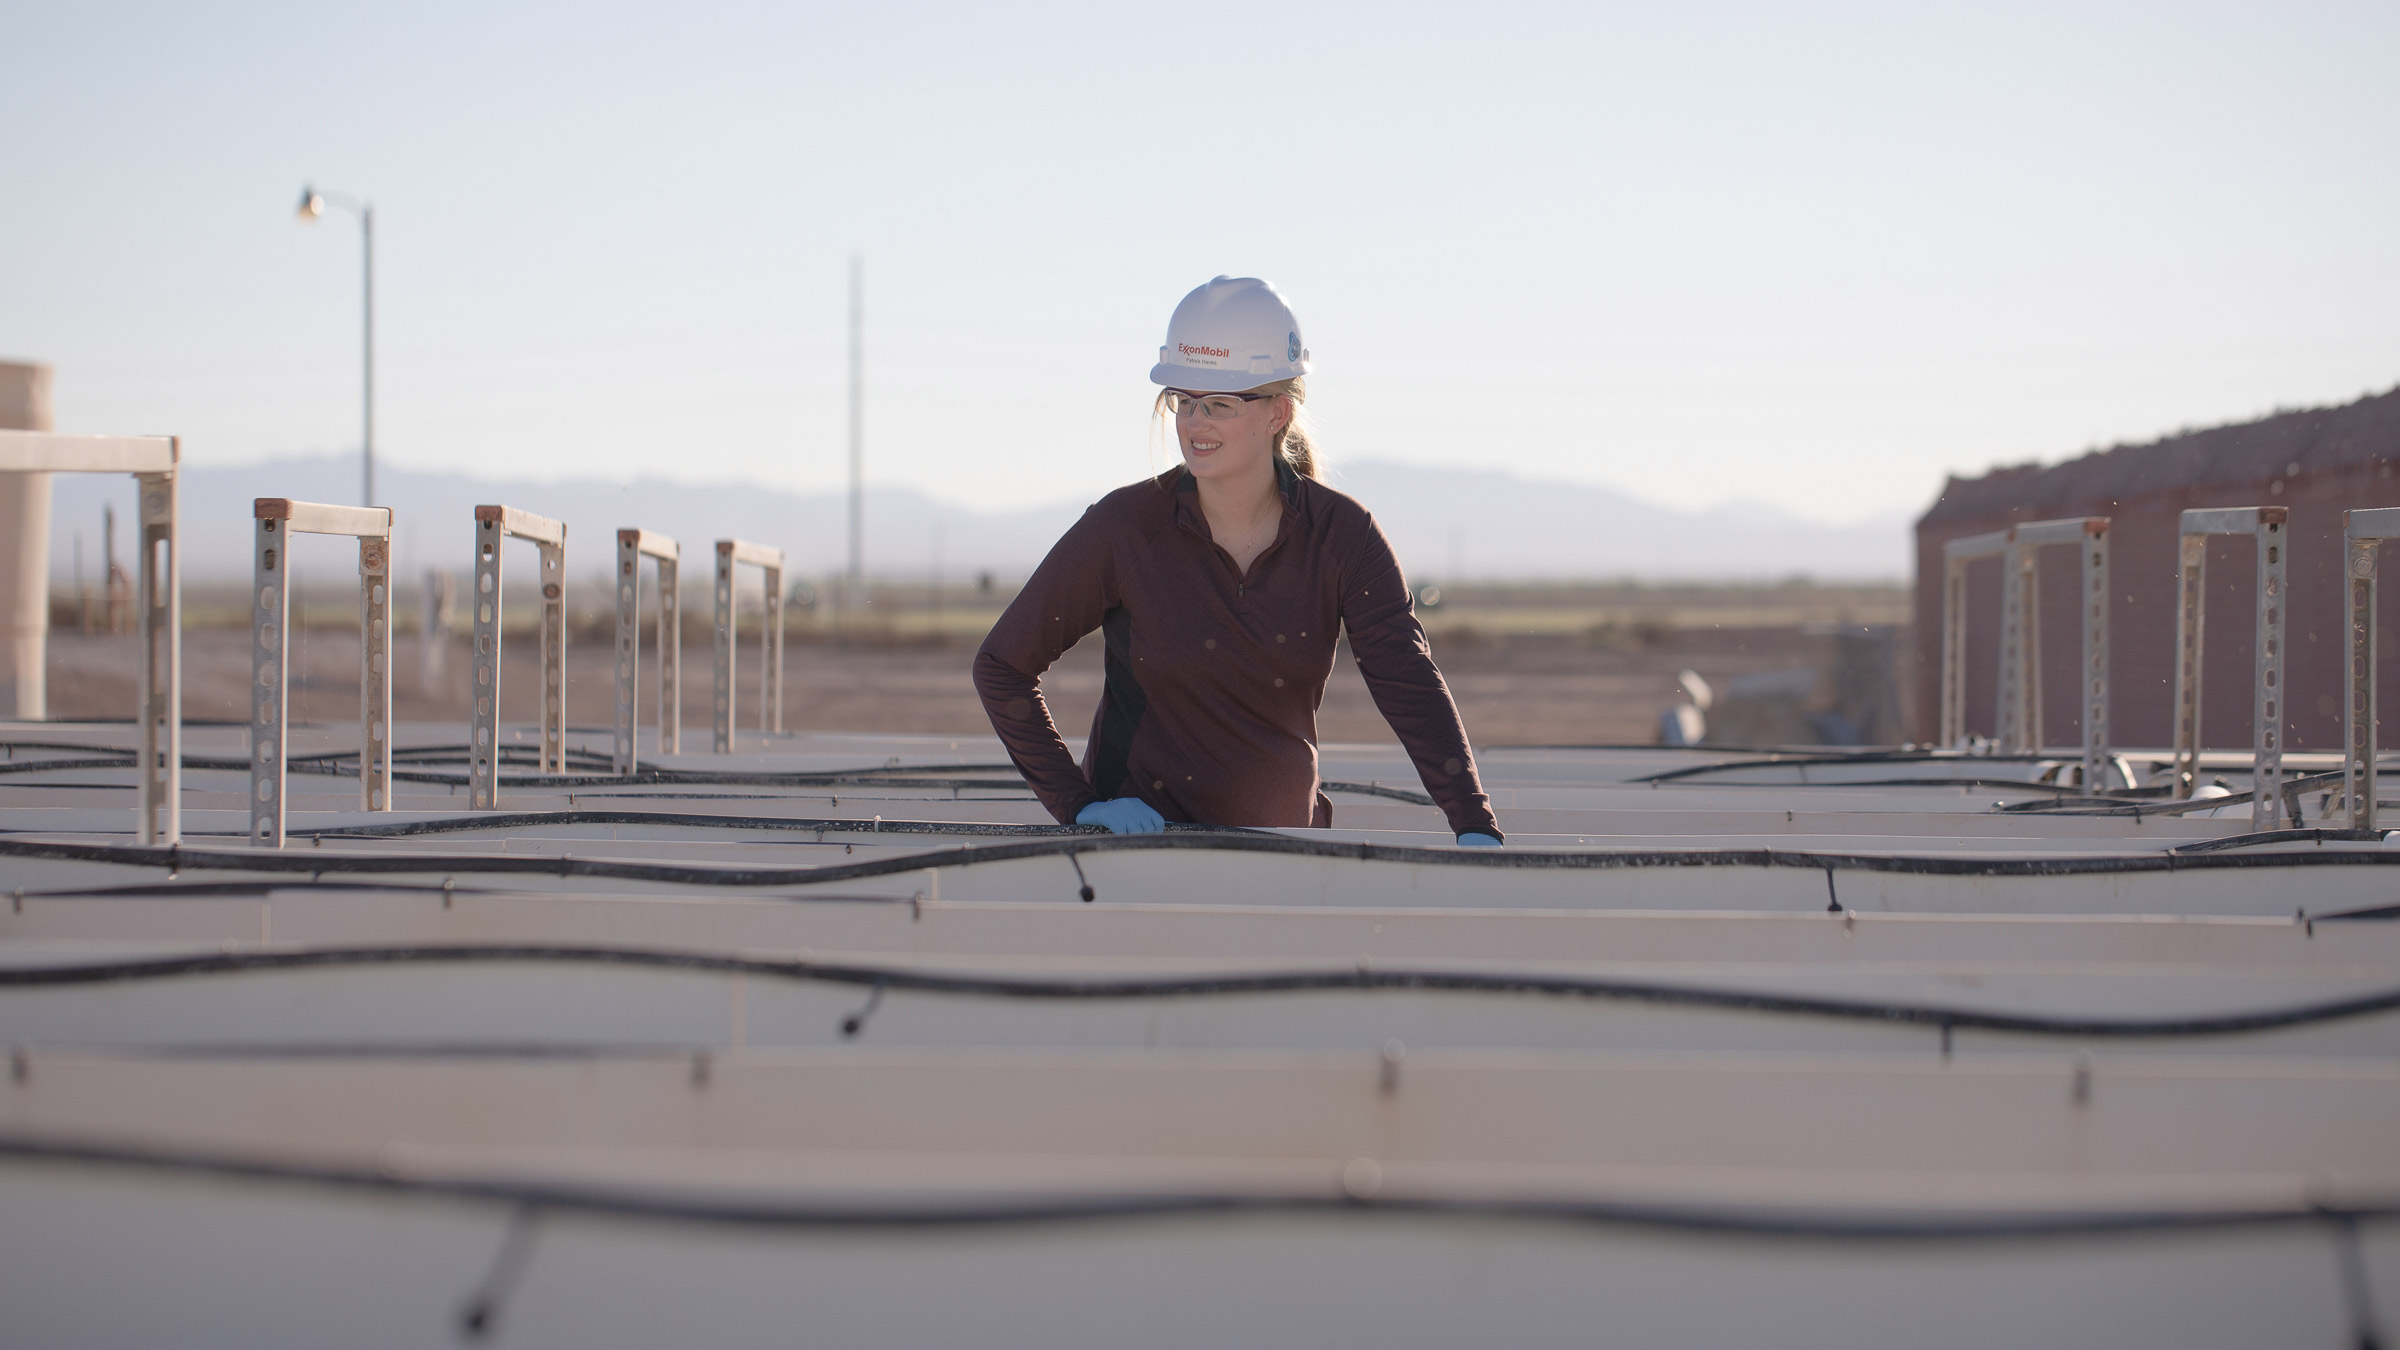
{"x": 1529, "y": 665}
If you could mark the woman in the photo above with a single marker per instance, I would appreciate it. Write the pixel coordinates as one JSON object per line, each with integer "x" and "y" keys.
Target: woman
{"x": 1221, "y": 587}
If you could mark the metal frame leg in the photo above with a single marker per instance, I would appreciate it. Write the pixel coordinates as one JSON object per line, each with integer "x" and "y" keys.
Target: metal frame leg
{"x": 2012, "y": 733}
{"x": 554, "y": 658}
{"x": 1953, "y": 730}
{"x": 161, "y": 695}
{"x": 2029, "y": 686}
{"x": 771, "y": 715}
{"x": 726, "y": 651}
{"x": 629, "y": 649}
{"x": 483, "y": 726}
{"x": 270, "y": 679}
{"x": 2189, "y": 618}
{"x": 2358, "y": 703}
{"x": 670, "y": 662}
{"x": 2267, "y": 703}
{"x": 2094, "y": 684}
{"x": 375, "y": 675}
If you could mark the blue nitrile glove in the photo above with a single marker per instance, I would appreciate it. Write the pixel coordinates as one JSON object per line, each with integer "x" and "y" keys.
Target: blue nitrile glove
{"x": 1477, "y": 841}
{"x": 1125, "y": 815}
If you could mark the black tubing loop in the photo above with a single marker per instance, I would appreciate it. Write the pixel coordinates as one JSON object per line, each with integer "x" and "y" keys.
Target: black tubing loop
{"x": 1860, "y": 1225}
{"x": 1085, "y": 839}
{"x": 1232, "y": 984}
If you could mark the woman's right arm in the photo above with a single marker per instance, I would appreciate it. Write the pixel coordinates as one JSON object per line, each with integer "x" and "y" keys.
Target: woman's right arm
{"x": 1066, "y": 598}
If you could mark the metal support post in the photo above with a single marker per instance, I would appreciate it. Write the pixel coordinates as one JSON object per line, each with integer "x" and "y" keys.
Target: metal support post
{"x": 2363, "y": 533}
{"x": 771, "y": 714}
{"x": 721, "y": 687}
{"x": 161, "y": 607}
{"x": 483, "y": 732}
{"x": 2266, "y": 524}
{"x": 270, "y": 677}
{"x": 2092, "y": 687}
{"x": 375, "y": 674}
{"x": 158, "y": 697}
{"x": 554, "y": 654}
{"x": 2190, "y": 621}
{"x": 276, "y": 520}
{"x": 494, "y": 525}
{"x": 670, "y": 654}
{"x": 2267, "y": 702}
{"x": 731, "y": 552}
{"x": 2020, "y": 710}
{"x": 629, "y": 644}
{"x": 632, "y": 547}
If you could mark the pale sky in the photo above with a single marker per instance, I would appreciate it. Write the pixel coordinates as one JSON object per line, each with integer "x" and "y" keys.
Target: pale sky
{"x": 1813, "y": 256}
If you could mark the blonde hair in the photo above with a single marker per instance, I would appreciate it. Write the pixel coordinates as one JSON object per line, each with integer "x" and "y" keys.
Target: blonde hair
{"x": 1296, "y": 443}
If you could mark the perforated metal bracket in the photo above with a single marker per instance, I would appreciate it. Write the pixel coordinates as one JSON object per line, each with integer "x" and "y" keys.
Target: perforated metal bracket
{"x": 2267, "y": 524}
{"x": 158, "y": 695}
{"x": 731, "y": 552}
{"x": 494, "y": 525}
{"x": 160, "y": 602}
{"x": 2363, "y": 533}
{"x": 2020, "y": 685}
{"x": 632, "y": 547}
{"x": 274, "y": 521}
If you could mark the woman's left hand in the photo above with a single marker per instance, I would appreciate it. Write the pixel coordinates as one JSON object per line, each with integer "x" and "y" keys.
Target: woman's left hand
{"x": 1125, "y": 815}
{"x": 1477, "y": 841}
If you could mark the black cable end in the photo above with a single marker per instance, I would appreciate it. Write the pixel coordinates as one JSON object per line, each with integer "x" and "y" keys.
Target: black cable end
{"x": 1087, "y": 895}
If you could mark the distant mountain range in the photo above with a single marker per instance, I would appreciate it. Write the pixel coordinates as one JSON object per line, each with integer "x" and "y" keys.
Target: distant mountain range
{"x": 1442, "y": 522}
{"x": 1484, "y": 524}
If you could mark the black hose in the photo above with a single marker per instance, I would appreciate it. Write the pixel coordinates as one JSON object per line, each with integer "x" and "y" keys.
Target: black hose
{"x": 1346, "y": 978}
{"x": 1807, "y": 759}
{"x": 521, "y": 820}
{"x": 344, "y": 764}
{"x": 2312, "y": 835}
{"x": 718, "y": 1209}
{"x": 1083, "y": 839}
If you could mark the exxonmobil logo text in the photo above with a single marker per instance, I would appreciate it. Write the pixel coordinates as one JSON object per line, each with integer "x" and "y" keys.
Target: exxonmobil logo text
{"x": 1189, "y": 350}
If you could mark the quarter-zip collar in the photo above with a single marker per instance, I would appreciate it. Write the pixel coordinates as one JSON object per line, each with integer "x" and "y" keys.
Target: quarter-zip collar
{"x": 1189, "y": 515}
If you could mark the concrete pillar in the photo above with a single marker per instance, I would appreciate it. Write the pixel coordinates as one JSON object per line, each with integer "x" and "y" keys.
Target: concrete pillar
{"x": 24, "y": 550}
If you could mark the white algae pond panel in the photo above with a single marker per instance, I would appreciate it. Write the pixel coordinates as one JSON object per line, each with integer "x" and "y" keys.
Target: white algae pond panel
{"x": 843, "y": 1042}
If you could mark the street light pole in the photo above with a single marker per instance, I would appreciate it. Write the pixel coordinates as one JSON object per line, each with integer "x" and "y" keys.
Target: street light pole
{"x": 366, "y": 435}
{"x": 312, "y": 205}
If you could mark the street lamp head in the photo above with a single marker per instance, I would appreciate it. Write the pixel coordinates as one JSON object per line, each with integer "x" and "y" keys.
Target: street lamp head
{"x": 311, "y": 204}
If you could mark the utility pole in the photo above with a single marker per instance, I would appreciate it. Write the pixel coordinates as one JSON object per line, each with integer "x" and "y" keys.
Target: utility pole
{"x": 858, "y": 430}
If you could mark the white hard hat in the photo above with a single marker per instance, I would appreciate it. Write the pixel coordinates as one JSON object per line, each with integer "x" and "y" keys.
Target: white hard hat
{"x": 1234, "y": 333}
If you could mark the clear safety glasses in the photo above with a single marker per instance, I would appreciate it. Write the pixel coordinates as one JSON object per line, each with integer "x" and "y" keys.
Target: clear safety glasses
{"x": 1214, "y": 407}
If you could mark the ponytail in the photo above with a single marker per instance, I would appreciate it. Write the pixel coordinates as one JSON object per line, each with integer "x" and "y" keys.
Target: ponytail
{"x": 1294, "y": 445}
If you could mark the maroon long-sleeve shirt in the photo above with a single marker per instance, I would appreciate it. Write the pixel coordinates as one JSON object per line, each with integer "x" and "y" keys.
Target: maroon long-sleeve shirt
{"x": 1214, "y": 676}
